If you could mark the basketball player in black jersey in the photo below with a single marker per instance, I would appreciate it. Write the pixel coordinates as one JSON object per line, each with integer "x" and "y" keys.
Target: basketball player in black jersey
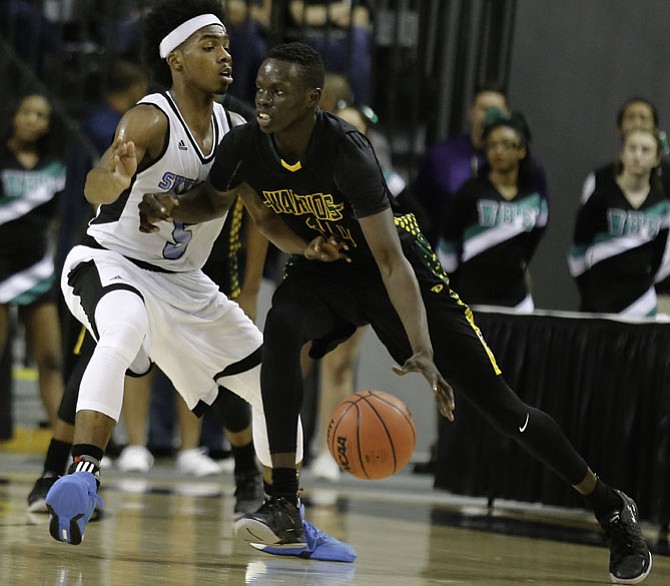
{"x": 304, "y": 173}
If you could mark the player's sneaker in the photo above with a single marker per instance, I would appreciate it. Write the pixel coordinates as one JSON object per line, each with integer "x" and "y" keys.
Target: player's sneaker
{"x": 319, "y": 545}
{"x": 135, "y": 459}
{"x": 196, "y": 462}
{"x": 71, "y": 502}
{"x": 248, "y": 493}
{"x": 630, "y": 558}
{"x": 37, "y": 499}
{"x": 277, "y": 522}
{"x": 325, "y": 468}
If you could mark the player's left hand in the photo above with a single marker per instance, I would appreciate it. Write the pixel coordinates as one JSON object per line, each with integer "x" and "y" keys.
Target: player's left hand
{"x": 327, "y": 250}
{"x": 444, "y": 393}
{"x": 155, "y": 207}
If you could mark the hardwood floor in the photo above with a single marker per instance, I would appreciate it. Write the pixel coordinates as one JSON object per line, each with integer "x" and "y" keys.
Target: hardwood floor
{"x": 165, "y": 530}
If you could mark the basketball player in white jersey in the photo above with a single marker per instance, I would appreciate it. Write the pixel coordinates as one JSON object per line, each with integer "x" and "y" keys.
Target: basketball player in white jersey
{"x": 143, "y": 296}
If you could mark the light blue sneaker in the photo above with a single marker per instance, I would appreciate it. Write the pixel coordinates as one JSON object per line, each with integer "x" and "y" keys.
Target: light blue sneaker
{"x": 71, "y": 501}
{"x": 320, "y": 546}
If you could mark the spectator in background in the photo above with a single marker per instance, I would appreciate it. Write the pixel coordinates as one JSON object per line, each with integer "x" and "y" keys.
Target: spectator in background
{"x": 338, "y": 95}
{"x": 341, "y": 32}
{"x": 621, "y": 233}
{"x": 29, "y": 33}
{"x": 634, "y": 112}
{"x": 248, "y": 23}
{"x": 32, "y": 173}
{"x": 450, "y": 163}
{"x": 495, "y": 221}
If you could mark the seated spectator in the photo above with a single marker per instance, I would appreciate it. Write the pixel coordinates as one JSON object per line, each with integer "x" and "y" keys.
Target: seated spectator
{"x": 248, "y": 24}
{"x": 342, "y": 33}
{"x": 495, "y": 221}
{"x": 29, "y": 34}
{"x": 621, "y": 232}
{"x": 450, "y": 163}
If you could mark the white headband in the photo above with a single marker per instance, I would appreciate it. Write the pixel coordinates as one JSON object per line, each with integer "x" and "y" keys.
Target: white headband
{"x": 171, "y": 41}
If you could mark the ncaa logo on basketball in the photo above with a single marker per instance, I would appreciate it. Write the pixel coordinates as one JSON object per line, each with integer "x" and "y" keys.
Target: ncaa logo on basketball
{"x": 342, "y": 453}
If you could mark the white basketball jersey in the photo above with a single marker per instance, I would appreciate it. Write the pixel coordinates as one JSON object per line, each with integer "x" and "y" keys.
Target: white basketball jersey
{"x": 177, "y": 246}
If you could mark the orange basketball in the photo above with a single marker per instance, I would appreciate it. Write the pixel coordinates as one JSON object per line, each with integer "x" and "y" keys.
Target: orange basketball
{"x": 371, "y": 434}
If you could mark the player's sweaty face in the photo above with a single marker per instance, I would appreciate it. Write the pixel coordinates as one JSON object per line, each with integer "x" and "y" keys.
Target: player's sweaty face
{"x": 207, "y": 60}
{"x": 281, "y": 97}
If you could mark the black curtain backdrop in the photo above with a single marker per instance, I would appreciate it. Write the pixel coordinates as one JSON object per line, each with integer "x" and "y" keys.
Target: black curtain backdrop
{"x": 607, "y": 384}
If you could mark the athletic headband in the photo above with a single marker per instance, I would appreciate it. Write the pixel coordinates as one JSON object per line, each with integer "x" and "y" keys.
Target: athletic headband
{"x": 171, "y": 41}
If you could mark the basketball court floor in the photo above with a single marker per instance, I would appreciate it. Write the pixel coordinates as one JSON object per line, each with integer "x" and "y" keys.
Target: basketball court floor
{"x": 161, "y": 529}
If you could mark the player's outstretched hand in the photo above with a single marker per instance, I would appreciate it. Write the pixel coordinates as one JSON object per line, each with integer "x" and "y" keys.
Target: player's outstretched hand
{"x": 327, "y": 250}
{"x": 123, "y": 163}
{"x": 444, "y": 394}
{"x": 155, "y": 207}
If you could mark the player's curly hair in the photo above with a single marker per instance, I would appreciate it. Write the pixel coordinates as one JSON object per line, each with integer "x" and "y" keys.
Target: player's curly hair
{"x": 309, "y": 60}
{"x": 163, "y": 17}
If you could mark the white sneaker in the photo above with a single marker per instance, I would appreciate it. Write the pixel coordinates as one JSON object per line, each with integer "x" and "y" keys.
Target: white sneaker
{"x": 326, "y": 468}
{"x": 135, "y": 459}
{"x": 196, "y": 462}
{"x": 227, "y": 465}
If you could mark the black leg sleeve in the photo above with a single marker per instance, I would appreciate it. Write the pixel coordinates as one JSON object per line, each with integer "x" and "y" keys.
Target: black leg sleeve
{"x": 296, "y": 316}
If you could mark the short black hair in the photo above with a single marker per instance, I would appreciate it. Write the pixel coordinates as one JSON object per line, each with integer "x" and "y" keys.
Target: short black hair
{"x": 163, "y": 17}
{"x": 309, "y": 60}
{"x": 634, "y": 100}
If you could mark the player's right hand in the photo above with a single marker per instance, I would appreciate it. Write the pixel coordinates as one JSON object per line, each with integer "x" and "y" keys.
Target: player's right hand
{"x": 442, "y": 390}
{"x": 156, "y": 207}
{"x": 123, "y": 163}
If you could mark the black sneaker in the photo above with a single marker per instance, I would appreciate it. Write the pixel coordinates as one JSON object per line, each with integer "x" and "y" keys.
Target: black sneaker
{"x": 248, "y": 493}
{"x": 277, "y": 522}
{"x": 37, "y": 499}
{"x": 630, "y": 558}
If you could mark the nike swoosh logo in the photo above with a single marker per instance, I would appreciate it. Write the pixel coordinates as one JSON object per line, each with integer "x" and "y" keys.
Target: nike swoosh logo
{"x": 523, "y": 427}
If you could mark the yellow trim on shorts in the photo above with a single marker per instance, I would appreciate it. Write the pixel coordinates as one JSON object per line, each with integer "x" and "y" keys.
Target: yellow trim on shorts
{"x": 475, "y": 327}
{"x": 408, "y": 223}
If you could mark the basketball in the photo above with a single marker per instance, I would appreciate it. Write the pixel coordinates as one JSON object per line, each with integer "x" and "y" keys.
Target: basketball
{"x": 371, "y": 435}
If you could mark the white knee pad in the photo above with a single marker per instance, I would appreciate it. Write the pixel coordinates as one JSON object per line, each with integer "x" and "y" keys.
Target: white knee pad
{"x": 261, "y": 443}
{"x": 122, "y": 325}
